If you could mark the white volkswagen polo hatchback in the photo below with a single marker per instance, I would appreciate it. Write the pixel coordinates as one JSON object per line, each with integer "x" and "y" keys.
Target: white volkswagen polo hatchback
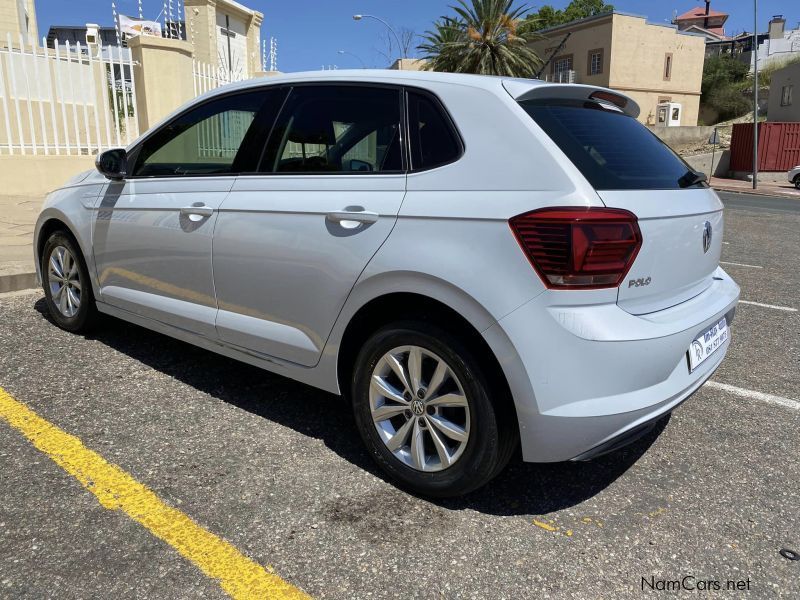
{"x": 477, "y": 263}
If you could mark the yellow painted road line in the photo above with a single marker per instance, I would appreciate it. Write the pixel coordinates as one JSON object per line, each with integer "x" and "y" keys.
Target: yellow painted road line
{"x": 238, "y": 575}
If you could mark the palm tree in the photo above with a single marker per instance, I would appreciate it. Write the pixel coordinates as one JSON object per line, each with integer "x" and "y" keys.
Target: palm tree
{"x": 481, "y": 39}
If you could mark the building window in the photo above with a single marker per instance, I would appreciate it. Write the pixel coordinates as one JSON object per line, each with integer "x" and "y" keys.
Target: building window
{"x": 595, "y": 62}
{"x": 562, "y": 63}
{"x": 562, "y": 66}
{"x": 668, "y": 66}
{"x": 786, "y": 95}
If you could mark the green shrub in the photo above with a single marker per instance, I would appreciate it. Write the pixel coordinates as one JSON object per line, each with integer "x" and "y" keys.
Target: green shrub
{"x": 728, "y": 101}
{"x": 724, "y": 79}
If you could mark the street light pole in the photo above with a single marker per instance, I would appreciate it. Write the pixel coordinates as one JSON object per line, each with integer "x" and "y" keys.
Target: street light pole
{"x": 363, "y": 64}
{"x": 389, "y": 27}
{"x": 755, "y": 94}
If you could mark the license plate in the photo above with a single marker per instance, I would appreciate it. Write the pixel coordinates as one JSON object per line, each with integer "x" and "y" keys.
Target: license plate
{"x": 708, "y": 343}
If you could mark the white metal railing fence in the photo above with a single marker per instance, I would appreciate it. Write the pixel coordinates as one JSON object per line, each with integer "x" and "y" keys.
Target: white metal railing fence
{"x": 563, "y": 76}
{"x": 69, "y": 99}
{"x": 219, "y": 136}
{"x": 208, "y": 77}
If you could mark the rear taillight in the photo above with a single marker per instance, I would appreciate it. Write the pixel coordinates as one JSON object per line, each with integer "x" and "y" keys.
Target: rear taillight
{"x": 579, "y": 248}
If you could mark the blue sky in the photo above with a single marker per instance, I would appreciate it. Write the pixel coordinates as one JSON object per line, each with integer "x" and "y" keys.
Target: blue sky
{"x": 310, "y": 32}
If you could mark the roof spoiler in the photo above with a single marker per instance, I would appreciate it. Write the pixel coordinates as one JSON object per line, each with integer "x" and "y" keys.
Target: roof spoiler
{"x": 531, "y": 90}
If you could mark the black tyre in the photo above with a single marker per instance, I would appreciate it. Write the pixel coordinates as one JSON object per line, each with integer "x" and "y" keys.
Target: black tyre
{"x": 426, "y": 413}
{"x": 66, "y": 283}
{"x": 797, "y": 182}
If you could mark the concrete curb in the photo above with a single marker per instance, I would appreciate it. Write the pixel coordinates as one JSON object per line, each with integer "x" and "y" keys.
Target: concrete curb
{"x": 752, "y": 192}
{"x": 17, "y": 282}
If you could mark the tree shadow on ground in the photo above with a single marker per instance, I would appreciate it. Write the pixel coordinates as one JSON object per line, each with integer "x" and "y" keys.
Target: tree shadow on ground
{"x": 522, "y": 489}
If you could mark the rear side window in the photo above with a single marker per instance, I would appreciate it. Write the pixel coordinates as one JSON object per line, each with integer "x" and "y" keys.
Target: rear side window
{"x": 337, "y": 129}
{"x": 433, "y": 139}
{"x": 611, "y": 149}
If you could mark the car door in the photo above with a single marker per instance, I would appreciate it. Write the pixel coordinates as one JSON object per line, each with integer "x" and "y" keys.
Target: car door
{"x": 153, "y": 231}
{"x": 291, "y": 242}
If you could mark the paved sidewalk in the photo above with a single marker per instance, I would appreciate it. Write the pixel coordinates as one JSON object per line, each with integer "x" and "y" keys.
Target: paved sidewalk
{"x": 786, "y": 190}
{"x": 17, "y": 219}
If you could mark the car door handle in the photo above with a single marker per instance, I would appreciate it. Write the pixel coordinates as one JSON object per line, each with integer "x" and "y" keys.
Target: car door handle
{"x": 359, "y": 216}
{"x": 200, "y": 211}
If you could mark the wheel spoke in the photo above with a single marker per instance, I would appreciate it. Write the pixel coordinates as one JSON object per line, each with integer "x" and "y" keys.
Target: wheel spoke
{"x": 55, "y": 267}
{"x": 415, "y": 368}
{"x": 399, "y": 370}
{"x": 63, "y": 301}
{"x": 398, "y": 440}
{"x": 73, "y": 271}
{"x": 418, "y": 446}
{"x": 448, "y": 400}
{"x": 73, "y": 298}
{"x": 387, "y": 411}
{"x": 387, "y": 390}
{"x": 450, "y": 429}
{"x": 57, "y": 295}
{"x": 436, "y": 379}
{"x": 60, "y": 258}
{"x": 441, "y": 447}
{"x": 66, "y": 263}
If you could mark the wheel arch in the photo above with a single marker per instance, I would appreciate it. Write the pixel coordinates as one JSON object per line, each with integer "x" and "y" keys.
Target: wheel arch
{"x": 50, "y": 221}
{"x": 391, "y": 306}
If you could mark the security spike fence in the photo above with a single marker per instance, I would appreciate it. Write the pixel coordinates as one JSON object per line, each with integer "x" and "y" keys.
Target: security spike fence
{"x": 71, "y": 99}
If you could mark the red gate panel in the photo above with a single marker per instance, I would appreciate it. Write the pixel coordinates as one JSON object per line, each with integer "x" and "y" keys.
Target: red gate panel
{"x": 778, "y": 146}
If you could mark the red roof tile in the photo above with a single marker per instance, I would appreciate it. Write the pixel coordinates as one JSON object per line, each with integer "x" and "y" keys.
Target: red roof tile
{"x": 699, "y": 13}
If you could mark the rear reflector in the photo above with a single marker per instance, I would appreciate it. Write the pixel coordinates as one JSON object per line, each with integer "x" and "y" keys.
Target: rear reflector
{"x": 579, "y": 248}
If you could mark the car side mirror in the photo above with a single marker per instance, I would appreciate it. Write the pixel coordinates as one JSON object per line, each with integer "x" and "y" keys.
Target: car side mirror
{"x": 113, "y": 163}
{"x": 360, "y": 165}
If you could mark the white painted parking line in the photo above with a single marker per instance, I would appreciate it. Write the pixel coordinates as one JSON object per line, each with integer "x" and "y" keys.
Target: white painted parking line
{"x": 723, "y": 262}
{"x": 772, "y": 306}
{"x": 753, "y": 395}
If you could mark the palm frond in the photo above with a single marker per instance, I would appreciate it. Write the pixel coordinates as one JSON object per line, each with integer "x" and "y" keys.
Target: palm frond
{"x": 483, "y": 37}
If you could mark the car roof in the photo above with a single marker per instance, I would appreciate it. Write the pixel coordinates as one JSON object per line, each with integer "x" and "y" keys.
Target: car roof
{"x": 380, "y": 76}
{"x": 516, "y": 87}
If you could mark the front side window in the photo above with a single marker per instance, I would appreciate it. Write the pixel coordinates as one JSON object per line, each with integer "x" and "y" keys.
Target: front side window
{"x": 203, "y": 141}
{"x": 337, "y": 129}
{"x": 433, "y": 140}
{"x": 611, "y": 149}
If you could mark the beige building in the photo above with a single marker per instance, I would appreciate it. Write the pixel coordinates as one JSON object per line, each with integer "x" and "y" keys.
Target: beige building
{"x": 784, "y": 100}
{"x": 650, "y": 62}
{"x": 408, "y": 64}
{"x": 18, "y": 17}
{"x": 225, "y": 33}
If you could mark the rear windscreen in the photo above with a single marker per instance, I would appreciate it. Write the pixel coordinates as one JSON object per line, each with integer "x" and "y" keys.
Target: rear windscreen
{"x": 612, "y": 150}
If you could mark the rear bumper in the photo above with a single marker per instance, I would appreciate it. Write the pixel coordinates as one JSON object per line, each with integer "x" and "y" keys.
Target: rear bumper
{"x": 584, "y": 377}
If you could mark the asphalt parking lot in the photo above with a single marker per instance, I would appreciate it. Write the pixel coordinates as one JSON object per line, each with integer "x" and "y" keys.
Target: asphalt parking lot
{"x": 277, "y": 470}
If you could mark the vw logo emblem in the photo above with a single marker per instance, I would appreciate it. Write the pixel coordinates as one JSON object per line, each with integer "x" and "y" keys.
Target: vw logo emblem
{"x": 708, "y": 234}
{"x": 417, "y": 407}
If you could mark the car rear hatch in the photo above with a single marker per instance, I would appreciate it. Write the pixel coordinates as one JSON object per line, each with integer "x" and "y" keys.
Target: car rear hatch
{"x": 679, "y": 217}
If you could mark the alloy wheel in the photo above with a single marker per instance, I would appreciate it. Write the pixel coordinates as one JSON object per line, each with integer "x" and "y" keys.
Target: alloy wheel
{"x": 419, "y": 408}
{"x": 64, "y": 280}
